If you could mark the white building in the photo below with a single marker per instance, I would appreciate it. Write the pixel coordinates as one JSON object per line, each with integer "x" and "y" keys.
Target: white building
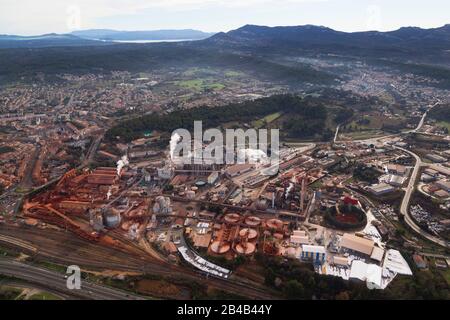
{"x": 315, "y": 253}
{"x": 212, "y": 178}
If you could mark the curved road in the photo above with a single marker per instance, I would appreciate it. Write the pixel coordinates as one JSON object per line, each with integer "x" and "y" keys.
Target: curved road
{"x": 57, "y": 282}
{"x": 404, "y": 208}
{"x": 419, "y": 126}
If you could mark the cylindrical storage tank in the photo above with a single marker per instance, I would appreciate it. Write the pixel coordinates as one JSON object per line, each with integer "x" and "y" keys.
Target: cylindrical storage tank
{"x": 249, "y": 233}
{"x": 252, "y": 221}
{"x": 274, "y": 224}
{"x": 245, "y": 249}
{"x": 111, "y": 219}
{"x": 261, "y": 205}
{"x": 200, "y": 183}
{"x": 219, "y": 248}
{"x": 232, "y": 217}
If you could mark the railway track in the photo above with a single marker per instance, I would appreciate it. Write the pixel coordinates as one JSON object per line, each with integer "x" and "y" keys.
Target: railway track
{"x": 63, "y": 248}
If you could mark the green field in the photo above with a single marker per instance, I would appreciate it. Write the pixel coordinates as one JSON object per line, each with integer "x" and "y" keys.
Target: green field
{"x": 267, "y": 119}
{"x": 233, "y": 74}
{"x": 443, "y": 124}
{"x": 362, "y": 135}
{"x": 199, "y": 84}
{"x": 374, "y": 122}
{"x": 44, "y": 296}
{"x": 9, "y": 293}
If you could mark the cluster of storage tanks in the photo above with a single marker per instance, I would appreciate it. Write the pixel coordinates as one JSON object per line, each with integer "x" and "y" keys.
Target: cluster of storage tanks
{"x": 241, "y": 239}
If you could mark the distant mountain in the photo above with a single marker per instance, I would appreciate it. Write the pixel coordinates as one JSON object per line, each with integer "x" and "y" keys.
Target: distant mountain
{"x": 98, "y": 37}
{"x": 309, "y": 37}
{"x": 46, "y": 40}
{"x": 157, "y": 35}
{"x": 271, "y": 53}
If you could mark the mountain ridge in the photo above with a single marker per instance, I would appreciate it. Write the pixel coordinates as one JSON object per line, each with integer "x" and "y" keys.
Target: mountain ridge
{"x": 311, "y": 34}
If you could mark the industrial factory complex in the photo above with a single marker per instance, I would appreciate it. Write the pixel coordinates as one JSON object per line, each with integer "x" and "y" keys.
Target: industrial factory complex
{"x": 195, "y": 214}
{"x": 359, "y": 212}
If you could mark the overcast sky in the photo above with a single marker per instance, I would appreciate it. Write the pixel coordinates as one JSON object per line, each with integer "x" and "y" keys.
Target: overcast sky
{"x": 31, "y": 17}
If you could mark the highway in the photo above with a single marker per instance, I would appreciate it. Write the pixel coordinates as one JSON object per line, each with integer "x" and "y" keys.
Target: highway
{"x": 404, "y": 208}
{"x": 57, "y": 282}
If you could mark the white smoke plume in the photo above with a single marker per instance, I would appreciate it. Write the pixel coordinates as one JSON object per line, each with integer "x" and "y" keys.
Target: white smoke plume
{"x": 253, "y": 156}
{"x": 122, "y": 163}
{"x": 174, "y": 139}
{"x": 288, "y": 190}
{"x": 109, "y": 194}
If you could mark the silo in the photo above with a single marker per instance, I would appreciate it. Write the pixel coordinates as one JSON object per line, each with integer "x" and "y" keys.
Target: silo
{"x": 111, "y": 218}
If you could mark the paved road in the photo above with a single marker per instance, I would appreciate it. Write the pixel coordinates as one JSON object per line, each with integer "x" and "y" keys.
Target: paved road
{"x": 336, "y": 133}
{"x": 404, "y": 208}
{"x": 374, "y": 139}
{"x": 422, "y": 121}
{"x": 56, "y": 281}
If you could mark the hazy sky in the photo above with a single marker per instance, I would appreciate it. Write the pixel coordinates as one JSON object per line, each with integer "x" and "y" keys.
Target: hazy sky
{"x": 29, "y": 17}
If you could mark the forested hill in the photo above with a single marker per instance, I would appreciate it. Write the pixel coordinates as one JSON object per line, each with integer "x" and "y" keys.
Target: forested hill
{"x": 18, "y": 63}
{"x": 441, "y": 113}
{"x": 304, "y": 117}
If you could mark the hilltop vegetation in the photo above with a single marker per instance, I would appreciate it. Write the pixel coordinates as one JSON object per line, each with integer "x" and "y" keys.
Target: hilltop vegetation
{"x": 441, "y": 113}
{"x": 18, "y": 63}
{"x": 305, "y": 117}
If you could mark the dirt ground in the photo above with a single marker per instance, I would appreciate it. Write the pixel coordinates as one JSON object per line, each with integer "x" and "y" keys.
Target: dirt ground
{"x": 163, "y": 289}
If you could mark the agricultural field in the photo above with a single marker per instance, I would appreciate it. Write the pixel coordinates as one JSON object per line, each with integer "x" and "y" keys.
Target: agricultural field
{"x": 200, "y": 84}
{"x": 372, "y": 122}
{"x": 267, "y": 120}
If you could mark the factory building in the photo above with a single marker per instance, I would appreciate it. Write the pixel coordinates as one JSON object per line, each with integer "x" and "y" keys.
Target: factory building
{"x": 396, "y": 169}
{"x": 357, "y": 244}
{"x": 381, "y": 189}
{"x": 427, "y": 178}
{"x": 75, "y": 206}
{"x": 435, "y": 158}
{"x": 238, "y": 169}
{"x": 396, "y": 181}
{"x": 315, "y": 253}
{"x": 340, "y": 261}
{"x": 443, "y": 184}
{"x": 369, "y": 273}
{"x": 299, "y": 237}
{"x": 377, "y": 254}
{"x": 103, "y": 176}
